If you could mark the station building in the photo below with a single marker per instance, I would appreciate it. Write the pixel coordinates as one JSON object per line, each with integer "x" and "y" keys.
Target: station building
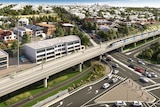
{"x": 50, "y": 49}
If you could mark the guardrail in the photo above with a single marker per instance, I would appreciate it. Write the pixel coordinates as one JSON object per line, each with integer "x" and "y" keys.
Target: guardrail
{"x": 41, "y": 103}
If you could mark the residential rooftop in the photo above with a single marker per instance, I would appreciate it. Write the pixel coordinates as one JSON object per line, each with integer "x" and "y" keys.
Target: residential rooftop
{"x": 45, "y": 24}
{"x": 52, "y": 42}
{"x": 67, "y": 25}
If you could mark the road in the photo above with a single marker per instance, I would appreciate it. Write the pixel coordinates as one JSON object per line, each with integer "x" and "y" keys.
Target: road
{"x": 152, "y": 88}
{"x": 87, "y": 96}
{"x": 35, "y": 74}
{"x": 81, "y": 97}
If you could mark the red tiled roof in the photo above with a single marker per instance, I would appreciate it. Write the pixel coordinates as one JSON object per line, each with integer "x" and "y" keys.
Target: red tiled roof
{"x": 6, "y": 33}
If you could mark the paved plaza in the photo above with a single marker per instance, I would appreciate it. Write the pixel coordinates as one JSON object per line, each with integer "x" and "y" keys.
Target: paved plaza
{"x": 127, "y": 91}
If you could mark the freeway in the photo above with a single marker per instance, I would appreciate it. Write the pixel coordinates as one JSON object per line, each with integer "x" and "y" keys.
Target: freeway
{"x": 152, "y": 88}
{"x": 88, "y": 95}
{"x": 27, "y": 77}
{"x": 84, "y": 95}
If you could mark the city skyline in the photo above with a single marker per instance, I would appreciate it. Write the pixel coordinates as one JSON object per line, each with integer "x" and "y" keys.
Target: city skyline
{"x": 125, "y": 3}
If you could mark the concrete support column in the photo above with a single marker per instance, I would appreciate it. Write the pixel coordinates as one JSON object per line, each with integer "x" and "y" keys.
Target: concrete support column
{"x": 153, "y": 37}
{"x": 45, "y": 82}
{"x": 145, "y": 40}
{"x": 80, "y": 67}
{"x": 121, "y": 49}
{"x": 100, "y": 57}
{"x": 135, "y": 44}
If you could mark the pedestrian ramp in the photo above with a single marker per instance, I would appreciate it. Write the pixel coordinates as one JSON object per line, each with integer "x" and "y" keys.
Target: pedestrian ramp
{"x": 119, "y": 77}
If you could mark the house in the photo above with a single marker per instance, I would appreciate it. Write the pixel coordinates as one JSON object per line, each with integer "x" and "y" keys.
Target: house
{"x": 103, "y": 28}
{"x": 20, "y": 31}
{"x": 7, "y": 36}
{"x": 67, "y": 26}
{"x": 50, "y": 49}
{"x": 3, "y": 59}
{"x": 37, "y": 30}
{"x": 100, "y": 21}
{"x": 23, "y": 21}
{"x": 48, "y": 29}
{"x": 91, "y": 20}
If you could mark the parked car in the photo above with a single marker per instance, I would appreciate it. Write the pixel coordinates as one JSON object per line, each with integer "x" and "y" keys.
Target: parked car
{"x": 139, "y": 70}
{"x": 23, "y": 58}
{"x": 105, "y": 85}
{"x": 115, "y": 72}
{"x": 144, "y": 79}
{"x": 120, "y": 103}
{"x": 137, "y": 104}
{"x": 132, "y": 66}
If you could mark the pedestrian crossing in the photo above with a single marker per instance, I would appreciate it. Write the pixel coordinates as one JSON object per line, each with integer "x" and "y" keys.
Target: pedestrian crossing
{"x": 119, "y": 77}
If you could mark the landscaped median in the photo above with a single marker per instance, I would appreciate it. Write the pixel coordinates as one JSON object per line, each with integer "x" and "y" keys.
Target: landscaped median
{"x": 96, "y": 73}
{"x": 31, "y": 91}
{"x": 71, "y": 81}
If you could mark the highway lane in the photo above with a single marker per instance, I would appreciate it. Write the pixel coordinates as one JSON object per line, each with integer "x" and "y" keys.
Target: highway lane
{"x": 21, "y": 80}
{"x": 134, "y": 75}
{"x": 84, "y": 96}
{"x": 124, "y": 59}
{"x": 148, "y": 67}
{"x": 153, "y": 89}
{"x": 74, "y": 101}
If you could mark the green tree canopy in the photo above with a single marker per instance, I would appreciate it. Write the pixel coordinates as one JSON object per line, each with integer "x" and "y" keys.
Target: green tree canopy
{"x": 15, "y": 44}
{"x": 26, "y": 38}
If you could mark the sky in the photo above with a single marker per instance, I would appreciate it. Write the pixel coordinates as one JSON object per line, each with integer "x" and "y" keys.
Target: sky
{"x": 126, "y": 3}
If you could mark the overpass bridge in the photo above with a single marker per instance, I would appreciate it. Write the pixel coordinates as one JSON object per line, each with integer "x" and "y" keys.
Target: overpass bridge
{"x": 32, "y": 75}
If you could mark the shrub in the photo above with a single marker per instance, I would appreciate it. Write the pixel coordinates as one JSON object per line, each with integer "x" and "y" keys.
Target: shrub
{"x": 17, "y": 98}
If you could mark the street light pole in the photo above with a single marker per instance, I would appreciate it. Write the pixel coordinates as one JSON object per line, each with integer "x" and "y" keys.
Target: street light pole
{"x": 100, "y": 43}
{"x": 18, "y": 46}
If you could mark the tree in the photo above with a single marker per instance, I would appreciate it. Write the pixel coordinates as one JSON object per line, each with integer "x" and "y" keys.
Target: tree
{"x": 40, "y": 9}
{"x": 158, "y": 57}
{"x": 26, "y": 38}
{"x": 75, "y": 30}
{"x": 15, "y": 44}
{"x": 59, "y": 31}
{"x": 128, "y": 18}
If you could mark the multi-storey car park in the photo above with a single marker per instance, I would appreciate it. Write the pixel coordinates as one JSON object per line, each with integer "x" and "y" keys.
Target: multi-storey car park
{"x": 50, "y": 49}
{"x": 3, "y": 59}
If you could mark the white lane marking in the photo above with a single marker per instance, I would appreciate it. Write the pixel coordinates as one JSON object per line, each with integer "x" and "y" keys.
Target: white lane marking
{"x": 100, "y": 94}
{"x": 130, "y": 73}
{"x": 158, "y": 84}
{"x": 89, "y": 92}
{"x": 69, "y": 104}
{"x": 153, "y": 89}
{"x": 130, "y": 68}
{"x": 122, "y": 69}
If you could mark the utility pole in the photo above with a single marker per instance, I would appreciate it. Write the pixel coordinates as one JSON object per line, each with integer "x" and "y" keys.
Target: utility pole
{"x": 18, "y": 46}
